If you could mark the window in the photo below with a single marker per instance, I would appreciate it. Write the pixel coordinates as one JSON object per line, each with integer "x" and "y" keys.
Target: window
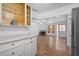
{"x": 51, "y": 28}
{"x": 62, "y": 27}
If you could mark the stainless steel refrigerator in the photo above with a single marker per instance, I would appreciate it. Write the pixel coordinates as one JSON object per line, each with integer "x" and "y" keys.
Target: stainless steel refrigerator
{"x": 75, "y": 32}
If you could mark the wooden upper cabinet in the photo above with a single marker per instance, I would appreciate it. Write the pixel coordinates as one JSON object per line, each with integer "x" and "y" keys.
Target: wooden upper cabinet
{"x": 20, "y": 15}
{"x": 15, "y": 14}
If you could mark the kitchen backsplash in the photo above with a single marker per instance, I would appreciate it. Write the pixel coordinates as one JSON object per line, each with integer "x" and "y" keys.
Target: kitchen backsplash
{"x": 13, "y": 28}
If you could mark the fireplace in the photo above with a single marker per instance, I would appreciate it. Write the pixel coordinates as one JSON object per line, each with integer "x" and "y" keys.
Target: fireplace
{"x": 42, "y": 33}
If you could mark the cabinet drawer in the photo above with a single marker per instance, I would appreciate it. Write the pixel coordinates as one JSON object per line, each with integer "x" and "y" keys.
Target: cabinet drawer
{"x": 30, "y": 39}
{"x": 27, "y": 40}
{"x": 17, "y": 51}
{"x": 7, "y": 53}
{"x": 10, "y": 45}
{"x": 14, "y": 52}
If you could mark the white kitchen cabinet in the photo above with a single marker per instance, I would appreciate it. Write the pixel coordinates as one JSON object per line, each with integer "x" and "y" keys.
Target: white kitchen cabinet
{"x": 22, "y": 47}
{"x": 27, "y": 49}
{"x": 5, "y": 53}
{"x": 31, "y": 47}
{"x": 10, "y": 45}
{"x": 13, "y": 52}
{"x": 34, "y": 46}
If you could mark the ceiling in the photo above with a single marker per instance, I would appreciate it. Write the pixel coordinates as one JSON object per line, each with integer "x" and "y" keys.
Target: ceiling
{"x": 45, "y": 7}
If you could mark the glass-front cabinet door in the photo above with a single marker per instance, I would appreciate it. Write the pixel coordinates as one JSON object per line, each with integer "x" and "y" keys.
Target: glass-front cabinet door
{"x": 28, "y": 14}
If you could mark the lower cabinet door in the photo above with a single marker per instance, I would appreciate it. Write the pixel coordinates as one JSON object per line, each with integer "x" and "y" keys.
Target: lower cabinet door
{"x": 27, "y": 49}
{"x": 5, "y": 53}
{"x": 17, "y": 51}
{"x": 33, "y": 48}
{"x": 13, "y": 52}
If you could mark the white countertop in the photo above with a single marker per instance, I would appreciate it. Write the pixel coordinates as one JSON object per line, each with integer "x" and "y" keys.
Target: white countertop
{"x": 12, "y": 36}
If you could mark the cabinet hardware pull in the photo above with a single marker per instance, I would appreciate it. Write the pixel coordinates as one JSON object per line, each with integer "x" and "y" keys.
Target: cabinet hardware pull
{"x": 12, "y": 52}
{"x": 31, "y": 41}
{"x": 12, "y": 44}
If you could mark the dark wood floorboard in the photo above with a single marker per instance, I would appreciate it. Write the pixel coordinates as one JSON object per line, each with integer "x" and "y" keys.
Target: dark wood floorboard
{"x": 51, "y": 46}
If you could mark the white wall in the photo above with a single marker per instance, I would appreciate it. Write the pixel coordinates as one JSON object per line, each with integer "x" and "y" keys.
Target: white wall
{"x": 63, "y": 33}
{"x": 42, "y": 27}
{"x": 57, "y": 21}
{"x": 35, "y": 14}
{"x": 34, "y": 28}
{"x": 58, "y": 12}
{"x": 60, "y": 33}
{"x": 69, "y": 30}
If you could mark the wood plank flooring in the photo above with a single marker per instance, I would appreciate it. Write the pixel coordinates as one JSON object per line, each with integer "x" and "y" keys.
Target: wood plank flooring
{"x": 51, "y": 46}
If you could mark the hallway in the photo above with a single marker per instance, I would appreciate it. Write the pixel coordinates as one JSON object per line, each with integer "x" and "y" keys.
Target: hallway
{"x": 51, "y": 46}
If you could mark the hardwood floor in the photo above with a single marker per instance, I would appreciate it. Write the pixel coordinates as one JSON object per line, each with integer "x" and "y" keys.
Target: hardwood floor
{"x": 51, "y": 46}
